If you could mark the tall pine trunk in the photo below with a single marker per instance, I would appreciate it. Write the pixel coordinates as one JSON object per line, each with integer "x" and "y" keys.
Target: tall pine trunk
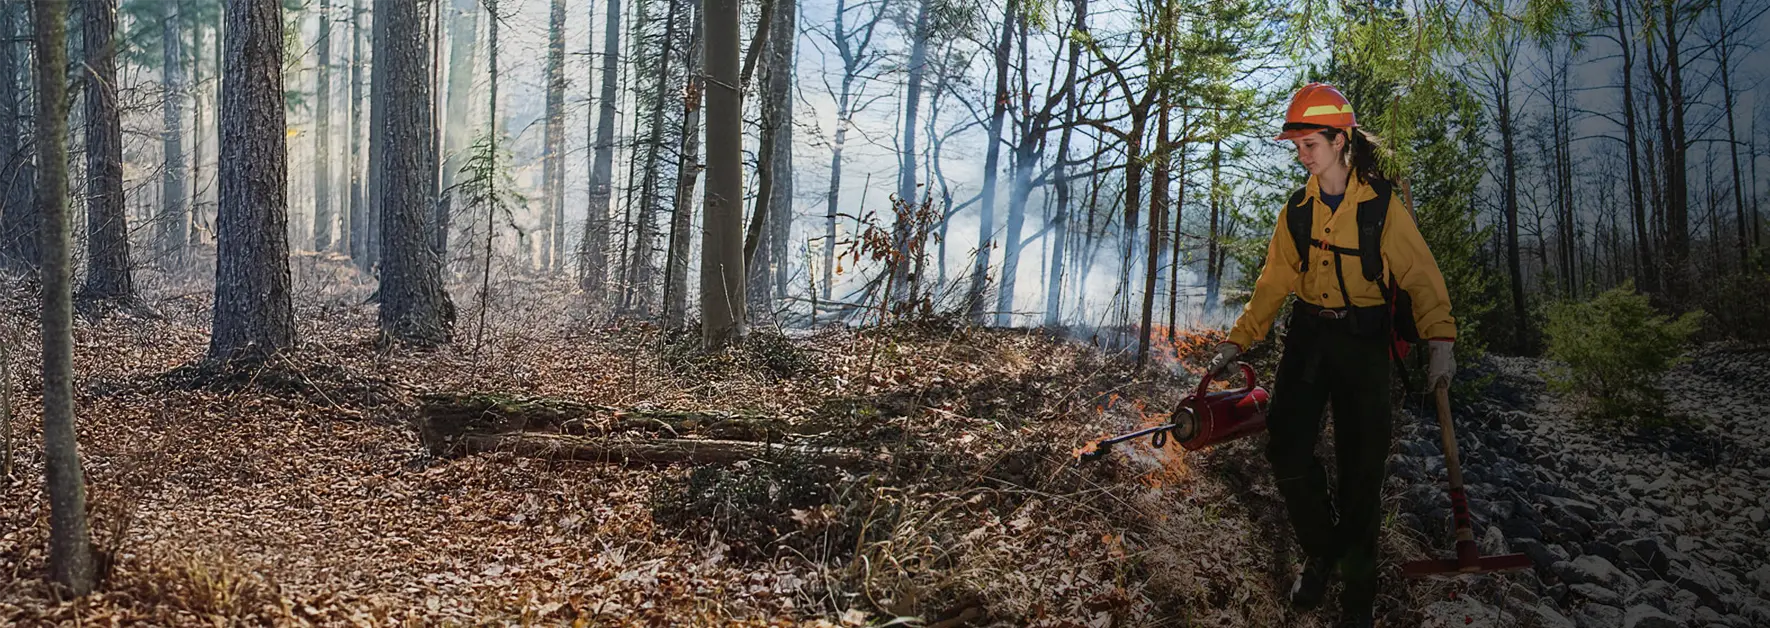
{"x": 322, "y": 140}
{"x": 70, "y": 546}
{"x": 414, "y": 307}
{"x": 174, "y": 215}
{"x": 593, "y": 267}
{"x": 107, "y": 232}
{"x": 378, "y": 106}
{"x": 252, "y": 312}
{"x": 722, "y": 248}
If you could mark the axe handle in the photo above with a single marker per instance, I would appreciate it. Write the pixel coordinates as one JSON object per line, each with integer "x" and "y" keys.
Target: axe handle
{"x": 1459, "y": 504}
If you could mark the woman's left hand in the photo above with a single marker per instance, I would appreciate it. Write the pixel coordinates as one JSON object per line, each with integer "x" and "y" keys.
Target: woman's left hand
{"x": 1441, "y": 365}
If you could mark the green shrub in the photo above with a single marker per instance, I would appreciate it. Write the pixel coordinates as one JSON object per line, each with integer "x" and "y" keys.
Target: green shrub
{"x": 1613, "y": 350}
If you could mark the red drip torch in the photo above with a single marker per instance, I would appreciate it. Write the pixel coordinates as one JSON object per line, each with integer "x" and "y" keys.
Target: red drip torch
{"x": 1204, "y": 418}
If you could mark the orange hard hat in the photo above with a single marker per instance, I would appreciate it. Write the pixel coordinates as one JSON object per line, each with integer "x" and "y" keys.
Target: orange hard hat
{"x": 1315, "y": 107}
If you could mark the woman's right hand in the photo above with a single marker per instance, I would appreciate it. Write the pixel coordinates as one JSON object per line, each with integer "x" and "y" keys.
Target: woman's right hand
{"x": 1226, "y": 354}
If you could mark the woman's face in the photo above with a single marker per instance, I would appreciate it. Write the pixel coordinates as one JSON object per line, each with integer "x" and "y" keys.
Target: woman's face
{"x": 1318, "y": 153}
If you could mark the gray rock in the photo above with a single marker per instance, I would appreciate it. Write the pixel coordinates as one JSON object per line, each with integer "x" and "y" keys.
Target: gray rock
{"x": 1644, "y": 616}
{"x": 1598, "y": 616}
{"x": 1709, "y": 586}
{"x": 1539, "y": 554}
{"x": 1596, "y": 594}
{"x": 1606, "y": 550}
{"x": 1547, "y": 617}
{"x": 1655, "y": 593}
{"x": 1590, "y": 570}
{"x": 1521, "y": 527}
{"x": 1647, "y": 553}
{"x": 1761, "y": 578}
{"x": 1585, "y": 510}
{"x": 1759, "y": 519}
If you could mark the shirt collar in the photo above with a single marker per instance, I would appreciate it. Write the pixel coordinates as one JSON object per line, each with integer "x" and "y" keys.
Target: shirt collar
{"x": 1356, "y": 189}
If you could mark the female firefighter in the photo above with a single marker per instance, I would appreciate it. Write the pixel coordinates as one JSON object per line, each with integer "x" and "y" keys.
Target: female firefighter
{"x": 1338, "y": 344}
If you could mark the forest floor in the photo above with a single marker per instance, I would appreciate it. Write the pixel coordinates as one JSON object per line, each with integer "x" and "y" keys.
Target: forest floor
{"x": 300, "y": 493}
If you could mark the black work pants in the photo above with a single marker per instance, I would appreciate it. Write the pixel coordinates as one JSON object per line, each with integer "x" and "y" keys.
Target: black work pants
{"x": 1324, "y": 360}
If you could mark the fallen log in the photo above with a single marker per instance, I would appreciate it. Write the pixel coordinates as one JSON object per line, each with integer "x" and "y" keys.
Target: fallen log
{"x": 650, "y": 450}
{"x": 444, "y": 415}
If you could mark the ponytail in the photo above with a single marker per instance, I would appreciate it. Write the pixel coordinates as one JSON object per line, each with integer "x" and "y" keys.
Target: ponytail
{"x": 1364, "y": 151}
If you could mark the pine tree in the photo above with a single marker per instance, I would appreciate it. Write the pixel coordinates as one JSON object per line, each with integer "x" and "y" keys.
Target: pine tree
{"x": 253, "y": 318}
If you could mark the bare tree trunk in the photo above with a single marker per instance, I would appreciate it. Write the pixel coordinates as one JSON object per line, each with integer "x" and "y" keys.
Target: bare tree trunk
{"x": 765, "y": 257}
{"x": 1643, "y": 241}
{"x": 1054, "y": 284}
{"x": 906, "y": 169}
{"x": 174, "y": 220}
{"x": 458, "y": 110}
{"x": 722, "y": 252}
{"x": 378, "y": 107}
{"x": 1725, "y": 62}
{"x": 1213, "y": 249}
{"x": 322, "y": 148}
{"x": 779, "y": 99}
{"x": 252, "y": 312}
{"x": 70, "y": 546}
{"x": 19, "y": 220}
{"x": 107, "y": 233}
{"x": 640, "y": 288}
{"x": 553, "y": 157}
{"x": 593, "y": 267}
{"x": 356, "y": 223}
{"x": 992, "y": 157}
{"x": 194, "y": 235}
{"x": 688, "y": 170}
{"x": 1158, "y": 209}
{"x": 1677, "y": 202}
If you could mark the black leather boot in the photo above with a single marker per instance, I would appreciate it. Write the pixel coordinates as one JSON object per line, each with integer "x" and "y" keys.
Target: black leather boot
{"x": 1312, "y": 585}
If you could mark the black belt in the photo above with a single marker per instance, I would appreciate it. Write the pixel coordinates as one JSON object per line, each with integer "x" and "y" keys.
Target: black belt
{"x": 1330, "y": 313}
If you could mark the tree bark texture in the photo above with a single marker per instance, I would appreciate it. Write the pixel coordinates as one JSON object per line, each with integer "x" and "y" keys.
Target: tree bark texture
{"x": 70, "y": 546}
{"x": 906, "y": 171}
{"x": 456, "y": 129}
{"x": 174, "y": 219}
{"x": 322, "y": 140}
{"x": 643, "y": 268}
{"x": 722, "y": 246}
{"x": 768, "y": 261}
{"x": 252, "y": 312}
{"x": 688, "y": 171}
{"x": 415, "y": 308}
{"x": 553, "y": 156}
{"x": 992, "y": 160}
{"x": 108, "y": 276}
{"x": 593, "y": 267}
{"x": 355, "y": 231}
{"x": 20, "y": 224}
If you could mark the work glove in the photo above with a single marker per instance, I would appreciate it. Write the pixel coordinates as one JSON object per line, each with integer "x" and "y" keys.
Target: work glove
{"x": 1226, "y": 354}
{"x": 1440, "y": 365}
